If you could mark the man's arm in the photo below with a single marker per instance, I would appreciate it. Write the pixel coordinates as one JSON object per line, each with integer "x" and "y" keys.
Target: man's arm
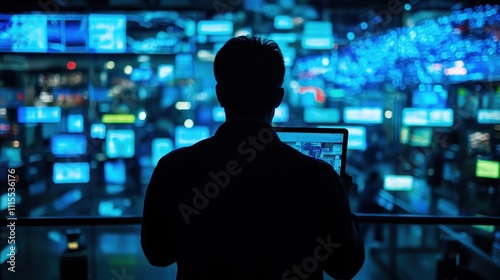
{"x": 348, "y": 258}
{"x": 156, "y": 240}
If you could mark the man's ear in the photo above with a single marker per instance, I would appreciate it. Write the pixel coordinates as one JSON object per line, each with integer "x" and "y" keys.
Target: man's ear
{"x": 219, "y": 91}
{"x": 279, "y": 97}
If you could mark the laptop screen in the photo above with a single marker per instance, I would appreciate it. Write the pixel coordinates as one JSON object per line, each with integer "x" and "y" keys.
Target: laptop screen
{"x": 327, "y": 144}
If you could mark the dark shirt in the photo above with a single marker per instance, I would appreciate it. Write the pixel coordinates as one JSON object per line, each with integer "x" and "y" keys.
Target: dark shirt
{"x": 244, "y": 205}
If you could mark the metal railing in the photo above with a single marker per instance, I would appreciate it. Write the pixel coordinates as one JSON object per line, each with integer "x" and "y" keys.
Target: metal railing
{"x": 362, "y": 218}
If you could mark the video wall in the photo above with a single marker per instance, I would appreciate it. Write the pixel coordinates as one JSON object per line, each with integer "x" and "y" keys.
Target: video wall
{"x": 90, "y": 102}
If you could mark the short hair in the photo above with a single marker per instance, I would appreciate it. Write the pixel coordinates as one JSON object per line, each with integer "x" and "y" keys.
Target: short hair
{"x": 250, "y": 69}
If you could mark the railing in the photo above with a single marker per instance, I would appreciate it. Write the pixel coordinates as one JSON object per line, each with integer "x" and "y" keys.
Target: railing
{"x": 362, "y": 218}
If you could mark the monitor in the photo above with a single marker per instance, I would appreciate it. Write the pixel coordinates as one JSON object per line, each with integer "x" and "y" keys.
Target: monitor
{"x": 159, "y": 148}
{"x": 281, "y": 114}
{"x": 115, "y": 172}
{"x": 120, "y": 143}
{"x": 321, "y": 115}
{"x": 489, "y": 169}
{"x": 398, "y": 182}
{"x": 98, "y": 131}
{"x": 327, "y": 144}
{"x": 363, "y": 115}
{"x": 188, "y": 136}
{"x": 479, "y": 142}
{"x": 421, "y": 136}
{"x": 215, "y": 27}
{"x": 39, "y": 114}
{"x": 75, "y": 123}
{"x": 107, "y": 33}
{"x": 429, "y": 99}
{"x": 23, "y": 33}
{"x": 62, "y": 145}
{"x": 71, "y": 172}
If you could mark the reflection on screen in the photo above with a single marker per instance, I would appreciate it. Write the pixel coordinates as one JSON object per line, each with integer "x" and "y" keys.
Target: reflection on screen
{"x": 120, "y": 143}
{"x": 71, "y": 172}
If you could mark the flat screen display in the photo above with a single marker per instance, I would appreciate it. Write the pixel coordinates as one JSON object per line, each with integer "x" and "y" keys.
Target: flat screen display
{"x": 487, "y": 169}
{"x": 71, "y": 172}
{"x": 120, "y": 143}
{"x": 188, "y": 136}
{"x": 62, "y": 145}
{"x": 327, "y": 144}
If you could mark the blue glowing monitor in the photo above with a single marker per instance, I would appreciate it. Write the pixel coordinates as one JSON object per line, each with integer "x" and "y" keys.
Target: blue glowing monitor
{"x": 420, "y": 136}
{"x": 428, "y": 117}
{"x": 159, "y": 148}
{"x": 321, "y": 115}
{"x": 215, "y": 27}
{"x": 71, "y": 172}
{"x": 429, "y": 99}
{"x": 218, "y": 114}
{"x": 75, "y": 123}
{"x": 107, "y": 33}
{"x": 62, "y": 145}
{"x": 281, "y": 114}
{"x": 120, "y": 143}
{"x": 488, "y": 116}
{"x": 398, "y": 183}
{"x": 39, "y": 114}
{"x": 188, "y": 136}
{"x": 115, "y": 172}
{"x": 98, "y": 131}
{"x": 23, "y": 33}
{"x": 283, "y": 22}
{"x": 357, "y": 136}
{"x": 363, "y": 115}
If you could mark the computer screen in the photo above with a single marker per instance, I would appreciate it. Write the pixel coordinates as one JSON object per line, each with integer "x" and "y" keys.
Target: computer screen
{"x": 120, "y": 143}
{"x": 479, "y": 142}
{"x": 188, "y": 136}
{"x": 98, "y": 131}
{"x": 398, "y": 182}
{"x": 159, "y": 148}
{"x": 115, "y": 172}
{"x": 71, "y": 172}
{"x": 327, "y": 144}
{"x": 420, "y": 136}
{"x": 75, "y": 123}
{"x": 429, "y": 98}
{"x": 68, "y": 145}
{"x": 487, "y": 169}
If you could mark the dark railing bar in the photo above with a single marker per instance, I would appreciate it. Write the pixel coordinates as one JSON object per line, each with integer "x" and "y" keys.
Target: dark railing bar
{"x": 362, "y": 218}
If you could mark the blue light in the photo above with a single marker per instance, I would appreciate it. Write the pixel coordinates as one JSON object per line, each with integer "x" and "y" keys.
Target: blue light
{"x": 363, "y": 25}
{"x": 351, "y": 36}
{"x": 407, "y": 7}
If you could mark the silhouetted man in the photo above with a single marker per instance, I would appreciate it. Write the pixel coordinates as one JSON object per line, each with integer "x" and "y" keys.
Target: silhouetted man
{"x": 242, "y": 204}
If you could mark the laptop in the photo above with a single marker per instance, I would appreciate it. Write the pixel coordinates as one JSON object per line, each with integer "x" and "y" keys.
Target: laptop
{"x": 327, "y": 144}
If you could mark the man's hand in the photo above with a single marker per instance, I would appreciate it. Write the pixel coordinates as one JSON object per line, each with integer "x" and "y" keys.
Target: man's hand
{"x": 347, "y": 182}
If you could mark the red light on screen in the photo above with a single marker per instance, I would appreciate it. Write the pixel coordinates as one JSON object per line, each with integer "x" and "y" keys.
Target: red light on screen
{"x": 20, "y": 96}
{"x": 71, "y": 65}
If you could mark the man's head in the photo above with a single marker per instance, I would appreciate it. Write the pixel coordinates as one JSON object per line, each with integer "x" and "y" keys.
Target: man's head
{"x": 249, "y": 71}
